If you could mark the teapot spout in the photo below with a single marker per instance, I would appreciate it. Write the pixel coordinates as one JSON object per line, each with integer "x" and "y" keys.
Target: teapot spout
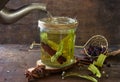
{"x": 8, "y": 16}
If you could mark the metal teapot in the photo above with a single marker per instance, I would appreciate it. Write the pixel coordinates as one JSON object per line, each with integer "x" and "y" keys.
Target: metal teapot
{"x": 8, "y": 16}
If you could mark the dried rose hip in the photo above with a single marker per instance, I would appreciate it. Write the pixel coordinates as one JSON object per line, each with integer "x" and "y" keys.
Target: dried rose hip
{"x": 95, "y": 50}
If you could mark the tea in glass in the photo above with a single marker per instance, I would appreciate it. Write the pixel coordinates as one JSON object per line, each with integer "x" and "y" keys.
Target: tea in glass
{"x": 57, "y": 35}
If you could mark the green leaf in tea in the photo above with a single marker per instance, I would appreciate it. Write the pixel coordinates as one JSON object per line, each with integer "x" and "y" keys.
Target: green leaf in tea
{"x": 58, "y": 53}
{"x": 44, "y": 37}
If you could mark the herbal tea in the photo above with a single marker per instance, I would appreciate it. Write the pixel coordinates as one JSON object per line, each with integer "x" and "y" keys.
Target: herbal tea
{"x": 57, "y": 41}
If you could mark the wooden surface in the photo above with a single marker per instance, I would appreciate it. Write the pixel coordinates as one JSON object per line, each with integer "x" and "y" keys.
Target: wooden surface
{"x": 15, "y": 59}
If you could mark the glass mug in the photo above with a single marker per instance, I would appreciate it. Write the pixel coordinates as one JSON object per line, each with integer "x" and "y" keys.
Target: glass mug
{"x": 57, "y": 35}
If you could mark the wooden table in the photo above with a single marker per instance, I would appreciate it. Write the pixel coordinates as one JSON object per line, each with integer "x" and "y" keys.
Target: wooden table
{"x": 15, "y": 59}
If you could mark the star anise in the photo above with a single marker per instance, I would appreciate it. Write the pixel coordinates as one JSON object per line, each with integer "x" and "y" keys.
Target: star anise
{"x": 36, "y": 73}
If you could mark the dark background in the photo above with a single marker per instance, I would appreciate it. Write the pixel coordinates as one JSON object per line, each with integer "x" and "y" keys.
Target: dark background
{"x": 94, "y": 16}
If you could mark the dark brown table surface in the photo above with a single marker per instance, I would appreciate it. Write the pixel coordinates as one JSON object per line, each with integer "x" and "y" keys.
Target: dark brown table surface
{"x": 15, "y": 59}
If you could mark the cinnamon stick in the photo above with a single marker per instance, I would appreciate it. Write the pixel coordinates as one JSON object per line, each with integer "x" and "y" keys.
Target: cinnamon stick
{"x": 51, "y": 52}
{"x": 113, "y": 53}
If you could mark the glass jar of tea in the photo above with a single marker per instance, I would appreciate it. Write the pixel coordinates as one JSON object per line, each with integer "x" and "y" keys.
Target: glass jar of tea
{"x": 57, "y": 35}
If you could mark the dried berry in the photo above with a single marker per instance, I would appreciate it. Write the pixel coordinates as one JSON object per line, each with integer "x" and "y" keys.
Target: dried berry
{"x": 95, "y": 50}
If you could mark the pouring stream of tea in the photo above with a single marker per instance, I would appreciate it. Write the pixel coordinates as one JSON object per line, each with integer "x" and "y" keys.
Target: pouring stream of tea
{"x": 49, "y": 15}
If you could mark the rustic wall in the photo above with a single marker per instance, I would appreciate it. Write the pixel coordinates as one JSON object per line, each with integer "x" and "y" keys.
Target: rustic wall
{"x": 94, "y": 16}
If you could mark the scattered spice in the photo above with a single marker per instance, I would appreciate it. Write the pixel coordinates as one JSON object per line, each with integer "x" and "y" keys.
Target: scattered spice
{"x": 41, "y": 71}
{"x": 93, "y": 65}
{"x": 36, "y": 73}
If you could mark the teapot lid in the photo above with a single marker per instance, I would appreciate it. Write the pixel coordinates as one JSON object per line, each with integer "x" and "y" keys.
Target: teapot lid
{"x": 3, "y": 3}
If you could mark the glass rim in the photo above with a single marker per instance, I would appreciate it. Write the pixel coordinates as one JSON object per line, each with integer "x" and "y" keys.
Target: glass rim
{"x": 67, "y": 22}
